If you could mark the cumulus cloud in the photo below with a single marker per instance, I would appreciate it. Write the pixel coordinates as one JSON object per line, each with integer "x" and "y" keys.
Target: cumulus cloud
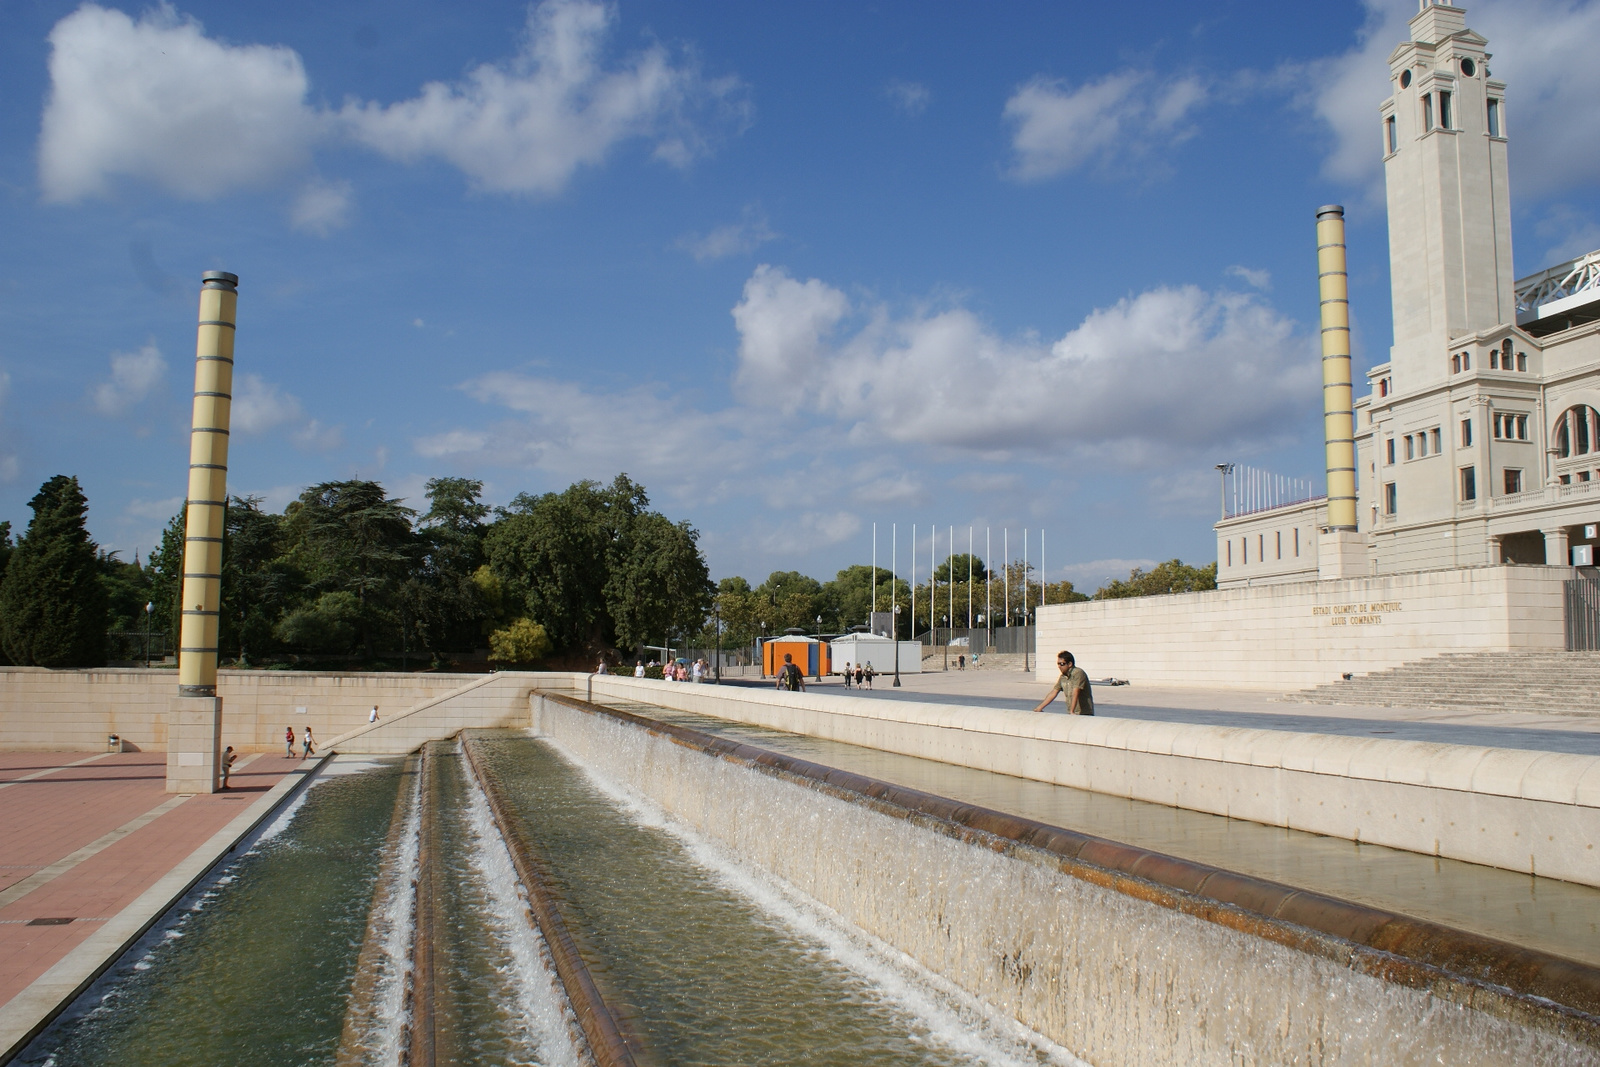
{"x": 133, "y": 375}
{"x": 1256, "y": 279}
{"x": 158, "y": 510}
{"x": 1542, "y": 49}
{"x": 909, "y": 97}
{"x": 451, "y": 443}
{"x": 155, "y": 99}
{"x": 736, "y": 238}
{"x": 1166, "y": 368}
{"x": 321, "y": 207}
{"x": 1102, "y": 124}
{"x": 528, "y": 124}
{"x": 259, "y": 406}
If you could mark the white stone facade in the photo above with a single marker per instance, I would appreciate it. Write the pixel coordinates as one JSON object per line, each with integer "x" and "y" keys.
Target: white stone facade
{"x": 1479, "y": 442}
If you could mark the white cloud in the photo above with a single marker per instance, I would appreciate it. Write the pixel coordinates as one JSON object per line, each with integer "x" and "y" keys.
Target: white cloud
{"x": 1256, "y": 279}
{"x": 258, "y": 406}
{"x": 810, "y": 531}
{"x": 155, "y": 99}
{"x": 1105, "y": 123}
{"x": 1167, "y": 368}
{"x": 133, "y": 375}
{"x": 1542, "y": 49}
{"x": 736, "y": 238}
{"x": 910, "y": 97}
{"x": 315, "y": 437}
{"x": 1089, "y": 576}
{"x": 159, "y": 101}
{"x": 1570, "y": 233}
{"x": 321, "y": 207}
{"x": 528, "y": 124}
{"x": 158, "y": 510}
{"x": 452, "y": 443}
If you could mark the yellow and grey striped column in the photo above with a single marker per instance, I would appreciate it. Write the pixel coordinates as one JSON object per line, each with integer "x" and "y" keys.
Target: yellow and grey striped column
{"x": 208, "y": 485}
{"x": 1338, "y": 398}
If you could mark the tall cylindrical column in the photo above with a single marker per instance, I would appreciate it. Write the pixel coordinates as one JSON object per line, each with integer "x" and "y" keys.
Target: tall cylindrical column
{"x": 1338, "y": 401}
{"x": 208, "y": 485}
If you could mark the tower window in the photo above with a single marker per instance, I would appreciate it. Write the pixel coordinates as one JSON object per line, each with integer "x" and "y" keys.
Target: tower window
{"x": 1577, "y": 432}
{"x": 1230, "y": 551}
{"x": 1513, "y": 482}
{"x": 1522, "y": 361}
{"x": 1391, "y": 135}
{"x": 1438, "y": 437}
{"x": 1494, "y": 359}
{"x": 1405, "y": 79}
{"x": 1468, "y": 67}
{"x": 1297, "y": 542}
{"x": 1494, "y": 117}
{"x": 1411, "y": 447}
{"x": 1444, "y": 110}
{"x": 1388, "y": 446}
{"x": 1455, "y": 363}
{"x": 1466, "y": 361}
{"x": 1279, "y": 536}
{"x": 1505, "y": 354}
{"x": 1391, "y": 499}
{"x": 1466, "y": 433}
{"x": 1427, "y": 111}
{"x": 1469, "y": 483}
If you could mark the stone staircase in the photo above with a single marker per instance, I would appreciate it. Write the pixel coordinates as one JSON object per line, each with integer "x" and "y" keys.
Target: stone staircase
{"x": 1550, "y": 683}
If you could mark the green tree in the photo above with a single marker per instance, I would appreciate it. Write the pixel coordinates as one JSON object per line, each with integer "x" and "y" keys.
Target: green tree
{"x": 350, "y": 537}
{"x": 53, "y": 610}
{"x": 1173, "y": 576}
{"x": 847, "y": 600}
{"x": 522, "y": 643}
{"x": 597, "y": 569}
{"x": 333, "y": 623}
{"x": 957, "y": 565}
{"x": 127, "y": 589}
{"x": 165, "y": 570}
{"x": 443, "y": 601}
{"x": 258, "y": 584}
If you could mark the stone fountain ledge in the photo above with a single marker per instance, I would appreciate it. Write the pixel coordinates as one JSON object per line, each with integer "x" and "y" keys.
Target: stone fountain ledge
{"x": 1522, "y": 810}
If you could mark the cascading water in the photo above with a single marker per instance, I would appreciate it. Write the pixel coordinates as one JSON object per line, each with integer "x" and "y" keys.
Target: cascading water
{"x": 708, "y": 962}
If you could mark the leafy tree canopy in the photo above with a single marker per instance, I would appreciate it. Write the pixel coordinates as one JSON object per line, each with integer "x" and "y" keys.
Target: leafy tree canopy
{"x": 1173, "y": 576}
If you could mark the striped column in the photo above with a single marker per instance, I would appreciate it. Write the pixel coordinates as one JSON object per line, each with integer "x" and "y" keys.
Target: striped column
{"x": 1338, "y": 401}
{"x": 208, "y": 485}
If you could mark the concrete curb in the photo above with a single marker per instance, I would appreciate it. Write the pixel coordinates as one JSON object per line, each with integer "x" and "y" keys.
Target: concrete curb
{"x": 27, "y": 1014}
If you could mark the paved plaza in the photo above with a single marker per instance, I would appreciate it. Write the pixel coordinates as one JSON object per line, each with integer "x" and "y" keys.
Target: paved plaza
{"x": 84, "y": 837}
{"x": 1247, "y": 709}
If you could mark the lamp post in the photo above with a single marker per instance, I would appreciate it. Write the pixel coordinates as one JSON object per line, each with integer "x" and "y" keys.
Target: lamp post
{"x": 946, "y": 620}
{"x": 897, "y": 646}
{"x": 716, "y": 620}
{"x": 148, "y": 608}
{"x": 819, "y": 641}
{"x": 1223, "y": 470}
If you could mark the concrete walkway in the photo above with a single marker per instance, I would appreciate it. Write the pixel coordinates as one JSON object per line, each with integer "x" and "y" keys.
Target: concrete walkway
{"x": 1244, "y": 708}
{"x": 82, "y": 839}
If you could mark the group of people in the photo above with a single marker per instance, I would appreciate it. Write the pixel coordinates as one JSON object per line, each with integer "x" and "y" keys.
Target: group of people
{"x": 678, "y": 671}
{"x": 308, "y": 745}
{"x": 860, "y": 676}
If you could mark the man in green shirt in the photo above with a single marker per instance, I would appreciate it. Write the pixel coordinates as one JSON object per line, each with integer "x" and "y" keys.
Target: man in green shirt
{"x": 1074, "y": 683}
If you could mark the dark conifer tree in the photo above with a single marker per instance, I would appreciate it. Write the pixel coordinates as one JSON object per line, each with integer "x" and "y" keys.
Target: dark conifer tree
{"x": 53, "y": 610}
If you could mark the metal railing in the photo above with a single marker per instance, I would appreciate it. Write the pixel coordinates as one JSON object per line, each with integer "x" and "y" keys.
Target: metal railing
{"x": 1583, "y": 613}
{"x": 1563, "y": 280}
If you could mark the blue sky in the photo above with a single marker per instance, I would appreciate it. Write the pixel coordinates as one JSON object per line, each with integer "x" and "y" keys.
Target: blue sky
{"x": 797, "y": 268}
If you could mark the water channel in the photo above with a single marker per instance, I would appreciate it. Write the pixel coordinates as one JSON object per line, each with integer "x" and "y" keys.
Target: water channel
{"x": 306, "y": 947}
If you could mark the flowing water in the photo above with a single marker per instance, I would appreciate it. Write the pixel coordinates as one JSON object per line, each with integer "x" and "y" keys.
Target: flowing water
{"x": 1562, "y": 918}
{"x": 254, "y": 966}
{"x": 708, "y": 964}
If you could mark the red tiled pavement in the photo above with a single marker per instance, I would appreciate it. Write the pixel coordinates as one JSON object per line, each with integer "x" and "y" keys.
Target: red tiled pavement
{"x": 48, "y": 818}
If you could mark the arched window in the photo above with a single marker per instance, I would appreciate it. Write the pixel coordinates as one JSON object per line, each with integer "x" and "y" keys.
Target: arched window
{"x": 1577, "y": 432}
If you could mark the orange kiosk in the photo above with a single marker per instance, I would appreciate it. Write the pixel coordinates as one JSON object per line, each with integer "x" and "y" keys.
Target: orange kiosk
{"x": 810, "y": 655}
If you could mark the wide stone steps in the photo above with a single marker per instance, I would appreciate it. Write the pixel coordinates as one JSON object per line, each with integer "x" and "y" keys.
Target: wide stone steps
{"x": 1551, "y": 683}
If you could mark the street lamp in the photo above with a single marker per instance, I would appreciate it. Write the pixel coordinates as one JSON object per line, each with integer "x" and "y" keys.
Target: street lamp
{"x": 819, "y": 651}
{"x": 716, "y": 617}
{"x": 946, "y": 620}
{"x": 1223, "y": 470}
{"x": 897, "y": 646}
{"x": 149, "y": 607}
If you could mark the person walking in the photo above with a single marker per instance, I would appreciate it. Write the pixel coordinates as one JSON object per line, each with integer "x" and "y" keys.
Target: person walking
{"x": 228, "y": 757}
{"x": 308, "y": 747}
{"x": 638, "y": 668}
{"x": 861, "y": 675}
{"x": 870, "y": 673}
{"x": 789, "y": 676}
{"x": 1074, "y": 684}
{"x": 372, "y": 716}
{"x": 847, "y": 674}
{"x": 288, "y": 742}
